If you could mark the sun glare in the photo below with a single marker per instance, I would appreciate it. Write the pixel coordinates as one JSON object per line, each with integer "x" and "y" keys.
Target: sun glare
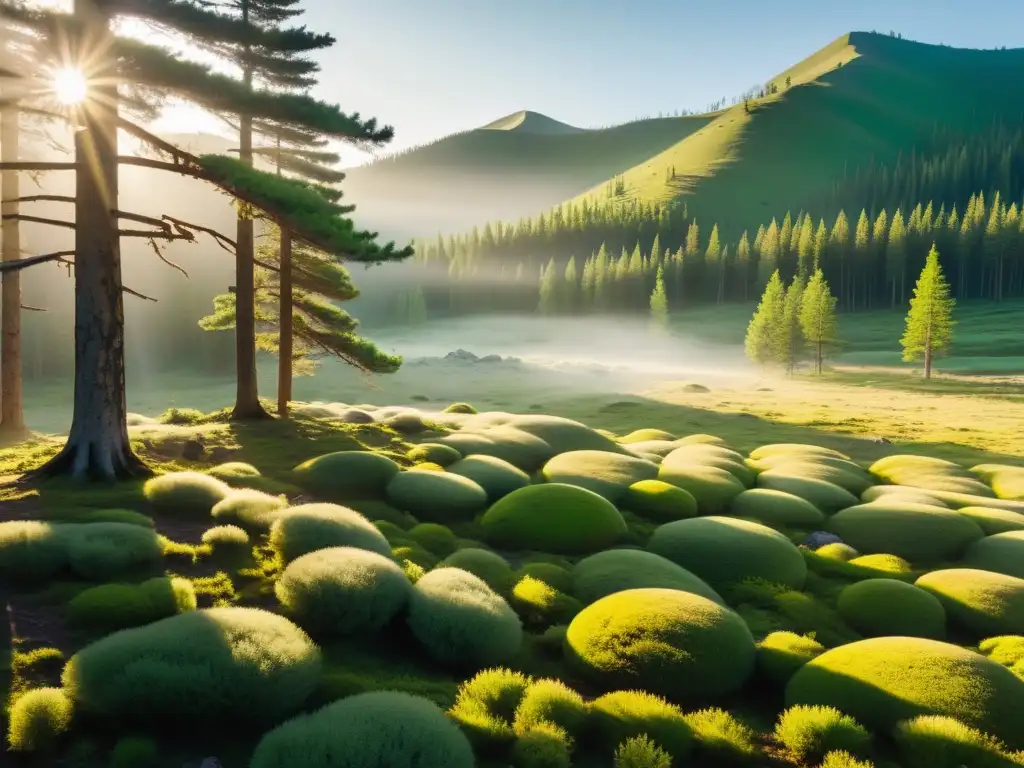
{"x": 69, "y": 86}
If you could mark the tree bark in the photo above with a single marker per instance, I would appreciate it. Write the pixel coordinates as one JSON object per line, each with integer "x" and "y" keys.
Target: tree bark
{"x": 12, "y": 419}
{"x": 284, "y": 370}
{"x": 97, "y": 445}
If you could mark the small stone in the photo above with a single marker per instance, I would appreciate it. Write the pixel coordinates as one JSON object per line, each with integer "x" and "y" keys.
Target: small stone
{"x": 192, "y": 450}
{"x": 819, "y": 539}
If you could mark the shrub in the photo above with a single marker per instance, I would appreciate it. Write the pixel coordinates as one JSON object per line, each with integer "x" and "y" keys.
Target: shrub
{"x": 607, "y": 474}
{"x": 249, "y": 509}
{"x": 713, "y": 488}
{"x": 554, "y": 518}
{"x": 542, "y": 605}
{"x": 776, "y": 508}
{"x": 496, "y": 476}
{"x": 551, "y": 701}
{"x": 722, "y": 739}
{"x": 367, "y": 730}
{"x": 1001, "y": 553}
{"x": 437, "y": 496}
{"x": 841, "y": 759}
{"x": 487, "y": 566}
{"x": 436, "y": 539}
{"x": 641, "y": 752}
{"x": 37, "y": 719}
{"x": 993, "y": 521}
{"x": 917, "y": 532}
{"x": 435, "y": 453}
{"x": 616, "y": 570}
{"x": 486, "y": 704}
{"x": 461, "y": 621}
{"x": 934, "y": 741}
{"x": 553, "y": 575}
{"x": 134, "y": 752}
{"x": 200, "y": 667}
{"x": 185, "y": 493}
{"x": 346, "y": 474}
{"x": 879, "y": 607}
{"x": 664, "y": 641}
{"x": 544, "y": 746}
{"x": 782, "y": 653}
{"x": 621, "y": 715}
{"x": 982, "y": 602}
{"x": 725, "y": 550}
{"x": 343, "y": 590}
{"x": 308, "y": 527}
{"x": 118, "y": 606}
{"x": 228, "y": 538}
{"x": 808, "y": 733}
{"x": 659, "y": 501}
{"x": 460, "y": 408}
{"x": 826, "y": 496}
{"x": 882, "y": 681}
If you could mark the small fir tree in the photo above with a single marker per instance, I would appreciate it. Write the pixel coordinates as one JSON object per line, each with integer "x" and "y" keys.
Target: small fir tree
{"x": 787, "y": 338}
{"x": 929, "y": 328}
{"x": 769, "y": 311}
{"x": 818, "y": 317}
{"x": 659, "y": 302}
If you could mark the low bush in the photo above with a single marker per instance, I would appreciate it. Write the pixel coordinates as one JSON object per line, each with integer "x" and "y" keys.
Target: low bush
{"x": 346, "y": 474}
{"x": 641, "y": 752}
{"x": 622, "y": 715}
{"x": 880, "y": 607}
{"x": 616, "y": 570}
{"x": 659, "y": 501}
{"x": 841, "y": 759}
{"x": 486, "y": 705}
{"x": 713, "y": 488}
{"x": 134, "y": 752}
{"x": 544, "y": 746}
{"x": 917, "y": 532}
{"x": 721, "y": 739}
{"x": 554, "y": 517}
{"x": 38, "y": 719}
{"x": 436, "y": 539}
{"x": 541, "y": 605}
{"x": 249, "y": 509}
{"x": 551, "y": 701}
{"x": 934, "y": 741}
{"x": 981, "y": 602}
{"x": 664, "y": 641}
{"x": 308, "y": 527}
{"x": 488, "y": 566}
{"x": 776, "y": 508}
{"x": 343, "y": 590}
{"x": 496, "y": 476}
{"x": 780, "y": 654}
{"x": 1001, "y": 553}
{"x": 993, "y": 521}
{"x": 607, "y": 474}
{"x": 461, "y": 621}
{"x": 725, "y": 550}
{"x": 200, "y": 667}
{"x": 368, "y": 730}
{"x": 111, "y": 607}
{"x": 185, "y": 493}
{"x": 808, "y": 733}
{"x": 440, "y": 497}
{"x": 435, "y": 453}
{"x": 826, "y": 496}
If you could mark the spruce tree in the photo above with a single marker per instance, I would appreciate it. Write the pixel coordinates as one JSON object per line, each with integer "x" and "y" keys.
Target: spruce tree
{"x": 768, "y": 255}
{"x": 659, "y": 302}
{"x": 760, "y": 340}
{"x": 713, "y": 265}
{"x": 548, "y": 288}
{"x": 742, "y": 266}
{"x": 787, "y": 336}
{"x": 895, "y": 253}
{"x": 572, "y": 286}
{"x": 818, "y": 316}
{"x": 929, "y": 324}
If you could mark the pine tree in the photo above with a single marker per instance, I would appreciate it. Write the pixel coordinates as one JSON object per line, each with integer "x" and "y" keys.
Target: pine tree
{"x": 787, "y": 336}
{"x": 818, "y": 316}
{"x": 929, "y": 325}
{"x": 572, "y": 286}
{"x": 760, "y": 340}
{"x": 548, "y": 288}
{"x": 659, "y": 302}
{"x": 768, "y": 256}
{"x": 742, "y": 266}
{"x": 895, "y": 253}
{"x": 713, "y": 265}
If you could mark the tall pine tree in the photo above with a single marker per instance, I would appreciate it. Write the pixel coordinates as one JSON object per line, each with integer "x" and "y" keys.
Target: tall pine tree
{"x": 929, "y": 324}
{"x": 760, "y": 340}
{"x": 818, "y": 317}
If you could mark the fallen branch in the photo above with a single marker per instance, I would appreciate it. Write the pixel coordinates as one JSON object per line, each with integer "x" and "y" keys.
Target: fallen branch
{"x": 31, "y": 261}
{"x": 126, "y": 289}
{"x": 37, "y": 220}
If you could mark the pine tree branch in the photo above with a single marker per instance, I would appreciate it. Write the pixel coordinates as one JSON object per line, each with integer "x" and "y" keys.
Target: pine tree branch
{"x": 150, "y": 234}
{"x": 27, "y": 308}
{"x": 128, "y": 290}
{"x": 37, "y": 220}
{"x": 223, "y": 241}
{"x": 32, "y": 165}
{"x": 159, "y": 254}
{"x": 41, "y": 199}
{"x": 31, "y": 261}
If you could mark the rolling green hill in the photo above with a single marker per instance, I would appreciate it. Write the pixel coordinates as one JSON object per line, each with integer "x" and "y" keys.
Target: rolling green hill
{"x": 526, "y": 121}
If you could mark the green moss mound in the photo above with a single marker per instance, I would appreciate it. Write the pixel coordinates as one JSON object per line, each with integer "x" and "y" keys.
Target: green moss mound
{"x": 38, "y": 719}
{"x": 917, "y": 532}
{"x": 795, "y": 450}
{"x": 308, "y": 527}
{"x": 701, "y": 438}
{"x": 809, "y": 733}
{"x": 664, "y": 641}
{"x": 882, "y": 564}
{"x": 564, "y": 435}
{"x": 461, "y": 621}
{"x": 725, "y": 550}
{"x": 488, "y": 566}
{"x": 885, "y": 680}
{"x": 434, "y": 453}
{"x": 252, "y": 510}
{"x": 993, "y": 521}
{"x": 618, "y": 570}
{"x": 201, "y": 667}
{"x": 554, "y": 517}
{"x": 1000, "y": 553}
{"x": 436, "y": 539}
{"x": 520, "y": 449}
{"x": 928, "y": 473}
{"x": 496, "y": 476}
{"x": 826, "y": 496}
{"x": 853, "y": 481}
{"x": 934, "y": 741}
{"x": 346, "y": 474}
{"x": 227, "y": 540}
{"x": 485, "y": 707}
{"x": 554, "y": 576}
{"x": 1007, "y": 481}
{"x": 184, "y": 493}
{"x": 681, "y": 462}
{"x": 659, "y": 501}
{"x": 837, "y": 551}
{"x": 646, "y": 435}
{"x": 881, "y": 607}
{"x": 129, "y": 516}
{"x": 776, "y": 508}
{"x": 110, "y": 607}
{"x": 230, "y": 470}
{"x": 343, "y": 590}
{"x": 541, "y": 605}
{"x": 621, "y": 715}
{"x": 437, "y": 496}
{"x": 901, "y": 493}
{"x": 607, "y": 474}
{"x": 134, "y": 752}
{"x": 981, "y": 602}
{"x": 780, "y": 654}
{"x": 368, "y": 730}
{"x": 713, "y": 488}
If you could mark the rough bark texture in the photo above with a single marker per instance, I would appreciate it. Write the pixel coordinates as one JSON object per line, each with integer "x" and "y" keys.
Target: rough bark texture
{"x": 284, "y": 370}
{"x": 97, "y": 445}
{"x": 12, "y": 420}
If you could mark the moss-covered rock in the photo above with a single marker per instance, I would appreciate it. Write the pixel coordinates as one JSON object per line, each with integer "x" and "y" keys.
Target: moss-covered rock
{"x": 185, "y": 493}
{"x": 993, "y": 521}
{"x": 855, "y": 481}
{"x": 440, "y": 497}
{"x": 901, "y": 493}
{"x": 795, "y": 450}
{"x": 659, "y": 501}
{"x": 887, "y": 607}
{"x": 928, "y": 473}
{"x": 664, "y": 641}
{"x": 776, "y": 509}
{"x": 309, "y": 527}
{"x": 713, "y": 488}
{"x": 780, "y": 654}
{"x": 346, "y": 474}
{"x": 917, "y": 532}
{"x": 435, "y": 453}
{"x": 724, "y": 551}
{"x": 555, "y": 518}
{"x": 1000, "y": 553}
{"x": 646, "y": 435}
{"x": 521, "y": 449}
{"x": 617, "y": 570}
{"x": 489, "y": 566}
{"x": 564, "y": 435}
{"x": 826, "y": 496}
{"x": 252, "y": 510}
{"x": 496, "y": 476}
{"x": 982, "y": 602}
{"x": 607, "y": 474}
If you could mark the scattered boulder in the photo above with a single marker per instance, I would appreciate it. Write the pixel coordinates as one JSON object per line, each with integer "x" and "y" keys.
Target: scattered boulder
{"x": 818, "y": 539}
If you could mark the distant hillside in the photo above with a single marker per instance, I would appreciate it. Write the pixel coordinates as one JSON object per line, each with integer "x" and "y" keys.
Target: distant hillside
{"x": 515, "y": 166}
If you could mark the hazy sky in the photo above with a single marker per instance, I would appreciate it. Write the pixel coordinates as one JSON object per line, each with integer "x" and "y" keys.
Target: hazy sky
{"x": 432, "y": 67}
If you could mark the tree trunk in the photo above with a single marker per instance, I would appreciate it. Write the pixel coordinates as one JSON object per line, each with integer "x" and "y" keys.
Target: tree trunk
{"x": 818, "y": 360}
{"x": 97, "y": 445}
{"x": 284, "y": 358}
{"x": 247, "y": 399}
{"x": 928, "y": 352}
{"x": 12, "y": 420}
